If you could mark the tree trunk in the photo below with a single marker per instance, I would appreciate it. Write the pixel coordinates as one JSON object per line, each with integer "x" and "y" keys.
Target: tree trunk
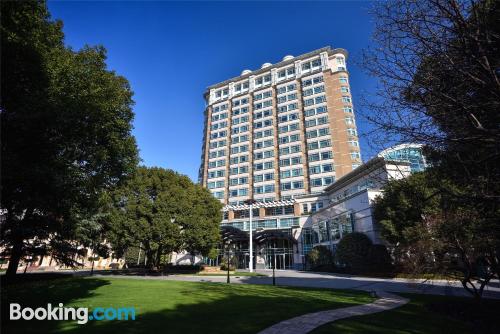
{"x": 158, "y": 256}
{"x": 150, "y": 259}
{"x": 15, "y": 258}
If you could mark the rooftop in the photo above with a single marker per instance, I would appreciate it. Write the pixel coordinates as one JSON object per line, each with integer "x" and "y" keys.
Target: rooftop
{"x": 287, "y": 61}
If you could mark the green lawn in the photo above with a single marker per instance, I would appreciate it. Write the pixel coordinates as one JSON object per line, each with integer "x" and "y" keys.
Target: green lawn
{"x": 171, "y": 307}
{"x": 418, "y": 316}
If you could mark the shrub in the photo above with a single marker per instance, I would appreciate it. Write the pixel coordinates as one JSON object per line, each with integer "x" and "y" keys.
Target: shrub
{"x": 379, "y": 259}
{"x": 320, "y": 256}
{"x": 232, "y": 265}
{"x": 353, "y": 250}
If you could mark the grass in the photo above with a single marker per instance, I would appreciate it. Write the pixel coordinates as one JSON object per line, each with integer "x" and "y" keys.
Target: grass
{"x": 169, "y": 306}
{"x": 425, "y": 314}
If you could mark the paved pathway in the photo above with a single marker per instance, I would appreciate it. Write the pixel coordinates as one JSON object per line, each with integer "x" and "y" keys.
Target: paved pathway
{"x": 336, "y": 281}
{"x": 307, "y": 322}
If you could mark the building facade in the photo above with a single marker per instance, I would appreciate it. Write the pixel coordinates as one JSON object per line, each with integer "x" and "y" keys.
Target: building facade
{"x": 282, "y": 131}
{"x": 273, "y": 135}
{"x": 285, "y": 136}
{"x": 411, "y": 153}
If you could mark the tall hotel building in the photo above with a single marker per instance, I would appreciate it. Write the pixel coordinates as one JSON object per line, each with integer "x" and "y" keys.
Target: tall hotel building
{"x": 278, "y": 134}
{"x": 285, "y": 130}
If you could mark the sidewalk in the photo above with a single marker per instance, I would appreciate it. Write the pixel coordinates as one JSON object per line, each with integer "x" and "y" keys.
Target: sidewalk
{"x": 307, "y": 322}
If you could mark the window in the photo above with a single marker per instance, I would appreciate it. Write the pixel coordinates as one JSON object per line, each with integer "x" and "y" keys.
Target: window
{"x": 326, "y": 155}
{"x": 323, "y": 132}
{"x": 289, "y": 117}
{"x": 316, "y": 111}
{"x": 325, "y": 143}
{"x": 289, "y": 128}
{"x": 316, "y": 182}
{"x": 313, "y": 157}
{"x": 239, "y": 192}
{"x": 313, "y": 81}
{"x": 291, "y": 173}
{"x": 217, "y": 173}
{"x": 355, "y": 155}
{"x": 327, "y": 168}
{"x": 263, "y": 144}
{"x": 349, "y": 120}
{"x": 218, "y": 194}
{"x": 262, "y": 124}
{"x": 263, "y": 95}
{"x": 264, "y": 133}
{"x": 351, "y": 132}
{"x": 311, "y": 65}
{"x": 289, "y": 139}
{"x": 263, "y": 155}
{"x": 314, "y": 170}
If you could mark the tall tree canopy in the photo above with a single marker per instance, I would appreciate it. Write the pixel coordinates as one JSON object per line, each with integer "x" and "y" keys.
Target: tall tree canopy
{"x": 438, "y": 65}
{"x": 66, "y": 133}
{"x": 162, "y": 211}
{"x": 429, "y": 232}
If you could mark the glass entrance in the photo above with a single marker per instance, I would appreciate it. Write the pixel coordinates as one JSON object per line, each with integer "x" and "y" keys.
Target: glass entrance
{"x": 278, "y": 253}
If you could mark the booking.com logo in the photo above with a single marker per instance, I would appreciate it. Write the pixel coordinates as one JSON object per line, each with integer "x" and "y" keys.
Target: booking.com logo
{"x": 81, "y": 314}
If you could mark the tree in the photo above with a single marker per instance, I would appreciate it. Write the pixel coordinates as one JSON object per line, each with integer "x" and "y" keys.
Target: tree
{"x": 430, "y": 233}
{"x": 66, "y": 134}
{"x": 438, "y": 65}
{"x": 163, "y": 211}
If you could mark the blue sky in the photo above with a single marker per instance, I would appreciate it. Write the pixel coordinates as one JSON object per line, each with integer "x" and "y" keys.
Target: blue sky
{"x": 171, "y": 51}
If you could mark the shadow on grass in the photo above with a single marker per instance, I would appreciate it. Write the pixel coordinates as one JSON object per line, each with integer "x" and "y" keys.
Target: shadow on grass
{"x": 37, "y": 290}
{"x": 236, "y": 312}
{"x": 425, "y": 315}
{"x": 195, "y": 307}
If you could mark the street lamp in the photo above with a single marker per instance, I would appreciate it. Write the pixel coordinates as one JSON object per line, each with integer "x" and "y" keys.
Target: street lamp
{"x": 228, "y": 262}
{"x": 274, "y": 266}
{"x": 251, "y": 202}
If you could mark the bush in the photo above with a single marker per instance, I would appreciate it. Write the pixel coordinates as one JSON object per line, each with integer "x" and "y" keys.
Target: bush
{"x": 379, "y": 259}
{"x": 352, "y": 252}
{"x": 182, "y": 268}
{"x": 320, "y": 256}
{"x": 232, "y": 265}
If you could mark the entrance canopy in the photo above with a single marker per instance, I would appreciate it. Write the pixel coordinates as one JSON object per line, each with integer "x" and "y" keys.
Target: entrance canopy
{"x": 233, "y": 234}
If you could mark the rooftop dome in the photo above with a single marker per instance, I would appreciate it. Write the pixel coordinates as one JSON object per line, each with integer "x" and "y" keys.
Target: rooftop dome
{"x": 288, "y": 57}
{"x": 245, "y": 72}
{"x": 266, "y": 65}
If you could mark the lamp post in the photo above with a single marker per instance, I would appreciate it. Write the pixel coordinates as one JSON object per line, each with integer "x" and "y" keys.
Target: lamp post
{"x": 250, "y": 202}
{"x": 274, "y": 266}
{"x": 228, "y": 263}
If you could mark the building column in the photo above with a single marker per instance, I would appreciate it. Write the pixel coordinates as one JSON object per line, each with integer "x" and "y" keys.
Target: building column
{"x": 296, "y": 209}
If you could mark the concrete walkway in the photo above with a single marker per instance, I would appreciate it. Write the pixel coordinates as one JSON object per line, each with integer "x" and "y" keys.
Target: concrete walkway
{"x": 307, "y": 322}
{"x": 335, "y": 281}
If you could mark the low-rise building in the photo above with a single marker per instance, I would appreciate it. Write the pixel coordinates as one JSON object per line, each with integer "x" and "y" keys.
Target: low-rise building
{"x": 285, "y": 231}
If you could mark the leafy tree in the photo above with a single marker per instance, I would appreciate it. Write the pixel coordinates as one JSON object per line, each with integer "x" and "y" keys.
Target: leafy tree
{"x": 66, "y": 134}
{"x": 438, "y": 62}
{"x": 430, "y": 232}
{"x": 163, "y": 212}
{"x": 353, "y": 250}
